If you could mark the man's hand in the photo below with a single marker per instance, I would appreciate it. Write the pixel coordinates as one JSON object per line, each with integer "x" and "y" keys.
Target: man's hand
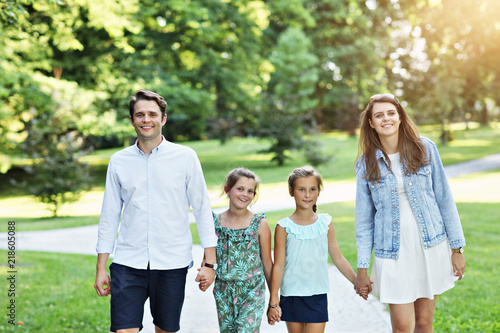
{"x": 102, "y": 283}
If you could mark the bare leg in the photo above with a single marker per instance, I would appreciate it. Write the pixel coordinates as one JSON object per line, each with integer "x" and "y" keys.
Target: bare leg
{"x": 424, "y": 314}
{"x": 315, "y": 327}
{"x": 128, "y": 330}
{"x": 402, "y": 317}
{"x": 293, "y": 327}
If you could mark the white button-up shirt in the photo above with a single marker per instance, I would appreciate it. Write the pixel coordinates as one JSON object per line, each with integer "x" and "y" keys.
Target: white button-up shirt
{"x": 148, "y": 197}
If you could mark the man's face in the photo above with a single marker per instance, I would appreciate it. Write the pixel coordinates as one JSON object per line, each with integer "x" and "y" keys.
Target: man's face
{"x": 147, "y": 120}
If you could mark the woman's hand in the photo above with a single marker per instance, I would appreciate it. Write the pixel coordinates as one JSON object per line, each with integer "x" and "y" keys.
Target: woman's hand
{"x": 458, "y": 262}
{"x": 362, "y": 281}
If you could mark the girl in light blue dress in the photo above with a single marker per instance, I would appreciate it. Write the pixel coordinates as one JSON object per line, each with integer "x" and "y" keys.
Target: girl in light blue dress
{"x": 302, "y": 244}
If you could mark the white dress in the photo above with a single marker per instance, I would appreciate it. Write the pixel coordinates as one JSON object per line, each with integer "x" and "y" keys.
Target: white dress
{"x": 418, "y": 272}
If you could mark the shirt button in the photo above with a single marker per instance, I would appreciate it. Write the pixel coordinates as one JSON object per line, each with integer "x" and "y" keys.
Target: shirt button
{"x": 410, "y": 183}
{"x": 419, "y": 215}
{"x": 415, "y": 200}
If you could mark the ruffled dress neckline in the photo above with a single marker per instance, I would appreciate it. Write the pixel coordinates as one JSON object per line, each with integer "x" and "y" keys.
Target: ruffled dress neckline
{"x": 310, "y": 231}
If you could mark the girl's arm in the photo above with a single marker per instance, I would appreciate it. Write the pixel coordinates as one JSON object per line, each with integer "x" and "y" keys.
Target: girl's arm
{"x": 265, "y": 250}
{"x": 274, "y": 311}
{"x": 338, "y": 259}
{"x": 341, "y": 262}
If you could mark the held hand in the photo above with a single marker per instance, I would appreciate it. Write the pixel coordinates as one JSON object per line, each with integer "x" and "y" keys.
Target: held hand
{"x": 203, "y": 280}
{"x": 273, "y": 314}
{"x": 205, "y": 277}
{"x": 458, "y": 262}
{"x": 102, "y": 284}
{"x": 363, "y": 293}
{"x": 362, "y": 281}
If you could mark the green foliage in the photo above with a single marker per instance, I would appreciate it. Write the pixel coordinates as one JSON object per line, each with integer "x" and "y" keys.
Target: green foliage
{"x": 55, "y": 127}
{"x": 286, "y": 115}
{"x": 11, "y": 11}
{"x": 221, "y": 65}
{"x": 314, "y": 154}
{"x": 452, "y": 70}
{"x": 349, "y": 40}
{"x": 57, "y": 180}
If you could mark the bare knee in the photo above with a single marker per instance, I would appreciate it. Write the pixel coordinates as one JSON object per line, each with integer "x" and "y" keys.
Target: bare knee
{"x": 402, "y": 326}
{"x": 423, "y": 324}
{"x": 402, "y": 318}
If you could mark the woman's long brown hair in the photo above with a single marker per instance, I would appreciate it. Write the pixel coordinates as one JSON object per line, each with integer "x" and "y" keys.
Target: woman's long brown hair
{"x": 411, "y": 149}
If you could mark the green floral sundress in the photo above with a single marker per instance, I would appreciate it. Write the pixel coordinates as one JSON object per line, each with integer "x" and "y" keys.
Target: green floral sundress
{"x": 240, "y": 283}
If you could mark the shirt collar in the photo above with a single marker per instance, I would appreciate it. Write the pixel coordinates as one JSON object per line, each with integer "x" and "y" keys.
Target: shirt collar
{"x": 379, "y": 154}
{"x": 158, "y": 148}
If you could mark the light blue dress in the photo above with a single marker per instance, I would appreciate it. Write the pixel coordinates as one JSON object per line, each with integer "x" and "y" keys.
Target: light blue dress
{"x": 306, "y": 260}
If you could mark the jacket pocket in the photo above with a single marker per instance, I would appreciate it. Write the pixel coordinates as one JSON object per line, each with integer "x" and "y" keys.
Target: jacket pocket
{"x": 377, "y": 191}
{"x": 424, "y": 178}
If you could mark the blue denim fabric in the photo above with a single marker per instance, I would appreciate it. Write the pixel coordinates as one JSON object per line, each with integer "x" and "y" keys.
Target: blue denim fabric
{"x": 377, "y": 217}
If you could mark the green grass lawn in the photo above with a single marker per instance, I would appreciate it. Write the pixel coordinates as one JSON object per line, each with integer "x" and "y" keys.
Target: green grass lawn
{"x": 54, "y": 293}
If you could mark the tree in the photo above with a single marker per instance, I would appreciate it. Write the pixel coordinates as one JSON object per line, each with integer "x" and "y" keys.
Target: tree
{"x": 455, "y": 72}
{"x": 286, "y": 113}
{"x": 348, "y": 40}
{"x": 55, "y": 136}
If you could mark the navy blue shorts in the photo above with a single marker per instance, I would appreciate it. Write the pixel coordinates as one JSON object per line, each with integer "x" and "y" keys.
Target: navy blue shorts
{"x": 304, "y": 309}
{"x": 131, "y": 287}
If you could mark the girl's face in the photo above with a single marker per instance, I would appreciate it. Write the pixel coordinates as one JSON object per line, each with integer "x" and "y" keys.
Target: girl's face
{"x": 385, "y": 119}
{"x": 306, "y": 192}
{"x": 242, "y": 193}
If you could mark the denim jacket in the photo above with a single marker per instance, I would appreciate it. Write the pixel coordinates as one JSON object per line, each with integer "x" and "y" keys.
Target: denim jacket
{"x": 377, "y": 219}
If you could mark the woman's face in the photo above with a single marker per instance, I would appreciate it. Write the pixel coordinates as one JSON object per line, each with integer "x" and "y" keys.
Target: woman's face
{"x": 385, "y": 119}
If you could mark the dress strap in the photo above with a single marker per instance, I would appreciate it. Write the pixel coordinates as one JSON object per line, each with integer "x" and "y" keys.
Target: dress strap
{"x": 217, "y": 218}
{"x": 255, "y": 224}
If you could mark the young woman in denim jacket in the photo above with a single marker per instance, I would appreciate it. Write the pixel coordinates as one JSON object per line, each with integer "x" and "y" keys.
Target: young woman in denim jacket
{"x": 406, "y": 215}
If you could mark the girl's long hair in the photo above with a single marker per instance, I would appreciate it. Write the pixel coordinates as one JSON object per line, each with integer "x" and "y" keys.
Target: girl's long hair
{"x": 411, "y": 149}
{"x": 305, "y": 171}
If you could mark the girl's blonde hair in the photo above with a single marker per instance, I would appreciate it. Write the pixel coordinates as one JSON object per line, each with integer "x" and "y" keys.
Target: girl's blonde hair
{"x": 305, "y": 171}
{"x": 236, "y": 174}
{"x": 411, "y": 149}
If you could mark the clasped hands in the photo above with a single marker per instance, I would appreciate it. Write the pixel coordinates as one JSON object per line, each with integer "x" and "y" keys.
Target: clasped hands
{"x": 205, "y": 277}
{"x": 273, "y": 313}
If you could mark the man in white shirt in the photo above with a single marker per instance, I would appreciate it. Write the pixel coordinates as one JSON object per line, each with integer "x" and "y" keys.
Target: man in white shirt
{"x": 150, "y": 188}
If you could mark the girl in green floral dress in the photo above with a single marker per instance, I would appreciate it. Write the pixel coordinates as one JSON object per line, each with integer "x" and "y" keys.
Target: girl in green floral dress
{"x": 243, "y": 257}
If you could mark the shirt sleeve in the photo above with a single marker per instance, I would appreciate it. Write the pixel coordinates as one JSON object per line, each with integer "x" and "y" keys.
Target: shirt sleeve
{"x": 444, "y": 199}
{"x": 110, "y": 213}
{"x": 364, "y": 221}
{"x": 200, "y": 202}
